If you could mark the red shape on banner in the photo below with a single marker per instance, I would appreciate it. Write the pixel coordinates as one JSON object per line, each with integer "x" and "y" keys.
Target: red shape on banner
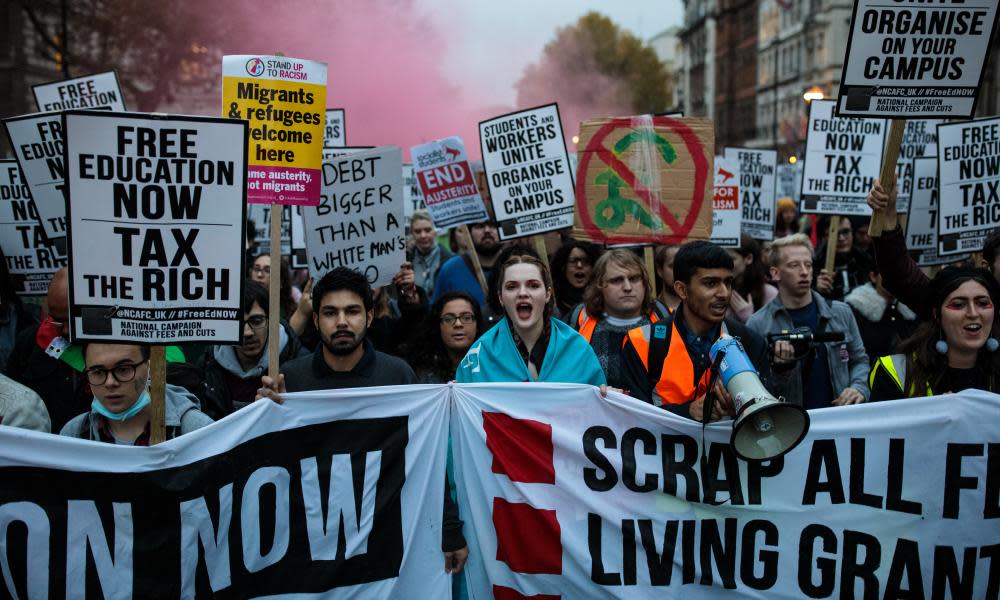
{"x": 528, "y": 538}
{"x": 505, "y": 593}
{"x": 522, "y": 448}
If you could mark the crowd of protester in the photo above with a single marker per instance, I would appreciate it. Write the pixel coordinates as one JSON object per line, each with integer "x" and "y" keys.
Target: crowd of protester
{"x": 595, "y": 316}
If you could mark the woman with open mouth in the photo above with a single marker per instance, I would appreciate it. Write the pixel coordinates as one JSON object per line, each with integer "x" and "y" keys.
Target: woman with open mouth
{"x": 956, "y": 350}
{"x": 528, "y": 344}
{"x": 571, "y": 269}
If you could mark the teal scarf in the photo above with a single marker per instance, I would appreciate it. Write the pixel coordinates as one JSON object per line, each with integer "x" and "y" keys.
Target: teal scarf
{"x": 494, "y": 358}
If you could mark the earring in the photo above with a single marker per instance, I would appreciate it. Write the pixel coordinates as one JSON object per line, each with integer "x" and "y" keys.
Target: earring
{"x": 941, "y": 347}
{"x": 992, "y": 344}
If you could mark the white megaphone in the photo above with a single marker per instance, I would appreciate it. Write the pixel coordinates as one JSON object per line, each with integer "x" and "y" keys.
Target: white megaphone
{"x": 765, "y": 427}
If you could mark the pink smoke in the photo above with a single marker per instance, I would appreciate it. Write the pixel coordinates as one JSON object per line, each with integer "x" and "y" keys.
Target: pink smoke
{"x": 385, "y": 63}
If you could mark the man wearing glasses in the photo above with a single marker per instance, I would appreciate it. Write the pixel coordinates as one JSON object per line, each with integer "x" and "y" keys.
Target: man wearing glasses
{"x": 233, "y": 373}
{"x": 118, "y": 375}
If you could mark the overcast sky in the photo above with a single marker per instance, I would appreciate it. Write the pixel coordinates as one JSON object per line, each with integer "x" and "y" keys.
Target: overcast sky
{"x": 494, "y": 40}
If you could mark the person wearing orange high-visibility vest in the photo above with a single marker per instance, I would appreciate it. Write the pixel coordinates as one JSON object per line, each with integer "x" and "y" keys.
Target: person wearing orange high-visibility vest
{"x": 667, "y": 363}
{"x": 618, "y": 298}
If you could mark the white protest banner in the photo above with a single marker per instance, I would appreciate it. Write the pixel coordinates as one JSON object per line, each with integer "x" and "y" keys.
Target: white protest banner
{"x": 413, "y": 198}
{"x": 31, "y": 261}
{"x": 91, "y": 91}
{"x": 157, "y": 219}
{"x": 921, "y": 225}
{"x": 919, "y": 140}
{"x": 726, "y": 214}
{"x": 968, "y": 184}
{"x": 37, "y": 141}
{"x": 789, "y": 182}
{"x": 446, "y": 180}
{"x": 916, "y": 58}
{"x": 527, "y": 170}
{"x": 757, "y": 174}
{"x": 584, "y": 497}
{"x": 284, "y": 100}
{"x": 332, "y": 495}
{"x": 359, "y": 221}
{"x": 843, "y": 158}
{"x": 335, "y": 131}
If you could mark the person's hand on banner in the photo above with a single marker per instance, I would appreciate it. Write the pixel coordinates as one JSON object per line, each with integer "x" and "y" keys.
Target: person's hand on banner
{"x": 303, "y": 313}
{"x": 605, "y": 388}
{"x": 884, "y": 203}
{"x": 405, "y": 282}
{"x": 271, "y": 388}
{"x": 824, "y": 282}
{"x": 454, "y": 562}
{"x": 848, "y": 397}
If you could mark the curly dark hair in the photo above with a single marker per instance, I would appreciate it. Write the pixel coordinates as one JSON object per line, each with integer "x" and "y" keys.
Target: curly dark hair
{"x": 924, "y": 365}
{"x": 568, "y": 296}
{"x": 751, "y": 282}
{"x": 425, "y": 350}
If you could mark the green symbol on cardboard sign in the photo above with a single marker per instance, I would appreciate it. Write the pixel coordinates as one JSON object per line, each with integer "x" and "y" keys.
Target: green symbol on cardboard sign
{"x": 615, "y": 204}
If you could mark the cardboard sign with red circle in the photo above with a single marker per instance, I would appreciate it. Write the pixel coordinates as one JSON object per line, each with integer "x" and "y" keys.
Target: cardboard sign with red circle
{"x": 644, "y": 180}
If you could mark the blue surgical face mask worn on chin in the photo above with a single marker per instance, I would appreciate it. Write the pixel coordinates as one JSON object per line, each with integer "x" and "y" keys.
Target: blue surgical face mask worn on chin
{"x": 129, "y": 412}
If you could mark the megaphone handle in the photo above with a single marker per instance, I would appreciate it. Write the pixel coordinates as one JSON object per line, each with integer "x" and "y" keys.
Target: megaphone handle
{"x": 706, "y": 416}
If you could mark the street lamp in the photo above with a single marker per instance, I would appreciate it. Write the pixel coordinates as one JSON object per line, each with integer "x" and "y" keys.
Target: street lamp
{"x": 813, "y": 93}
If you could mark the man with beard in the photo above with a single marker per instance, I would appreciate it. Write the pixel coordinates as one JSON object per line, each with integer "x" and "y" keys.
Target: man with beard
{"x": 458, "y": 273}
{"x": 668, "y": 363}
{"x": 343, "y": 308}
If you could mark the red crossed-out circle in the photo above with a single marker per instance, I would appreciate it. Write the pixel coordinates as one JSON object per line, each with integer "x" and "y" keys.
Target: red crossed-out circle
{"x": 596, "y": 147}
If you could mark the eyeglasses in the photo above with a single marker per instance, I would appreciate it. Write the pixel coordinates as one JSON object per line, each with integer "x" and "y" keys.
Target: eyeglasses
{"x": 123, "y": 373}
{"x": 580, "y": 261}
{"x": 465, "y": 318}
{"x": 261, "y": 270}
{"x": 843, "y": 232}
{"x": 257, "y": 322}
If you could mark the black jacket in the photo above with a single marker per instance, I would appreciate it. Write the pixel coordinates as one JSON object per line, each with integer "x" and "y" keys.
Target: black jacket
{"x": 216, "y": 401}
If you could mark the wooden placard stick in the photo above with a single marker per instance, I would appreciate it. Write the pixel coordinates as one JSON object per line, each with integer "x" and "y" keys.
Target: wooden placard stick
{"x": 647, "y": 255}
{"x": 541, "y": 249}
{"x": 157, "y": 394}
{"x": 274, "y": 293}
{"x": 478, "y": 268}
{"x": 831, "y": 243}
{"x": 889, "y": 159}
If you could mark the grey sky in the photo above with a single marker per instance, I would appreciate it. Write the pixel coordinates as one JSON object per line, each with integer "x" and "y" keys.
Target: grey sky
{"x": 493, "y": 40}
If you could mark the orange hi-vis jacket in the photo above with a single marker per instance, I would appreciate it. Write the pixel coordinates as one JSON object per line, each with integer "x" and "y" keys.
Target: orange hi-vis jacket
{"x": 670, "y": 366}
{"x": 586, "y": 323}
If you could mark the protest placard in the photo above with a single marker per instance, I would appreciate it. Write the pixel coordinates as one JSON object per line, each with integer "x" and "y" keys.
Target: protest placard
{"x": 527, "y": 171}
{"x": 916, "y": 58}
{"x": 447, "y": 184}
{"x": 413, "y": 198}
{"x": 789, "y": 182}
{"x": 757, "y": 180}
{"x": 284, "y": 100}
{"x": 260, "y": 214}
{"x": 968, "y": 184}
{"x": 644, "y": 180}
{"x": 91, "y": 91}
{"x": 31, "y": 261}
{"x": 37, "y": 141}
{"x": 330, "y": 153}
{"x": 359, "y": 221}
{"x": 921, "y": 225}
{"x": 335, "y": 131}
{"x": 157, "y": 214}
{"x": 919, "y": 140}
{"x": 843, "y": 158}
{"x": 726, "y": 214}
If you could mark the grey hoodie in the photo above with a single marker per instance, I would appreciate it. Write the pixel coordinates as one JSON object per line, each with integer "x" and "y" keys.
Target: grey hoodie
{"x": 226, "y": 357}
{"x": 181, "y": 411}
